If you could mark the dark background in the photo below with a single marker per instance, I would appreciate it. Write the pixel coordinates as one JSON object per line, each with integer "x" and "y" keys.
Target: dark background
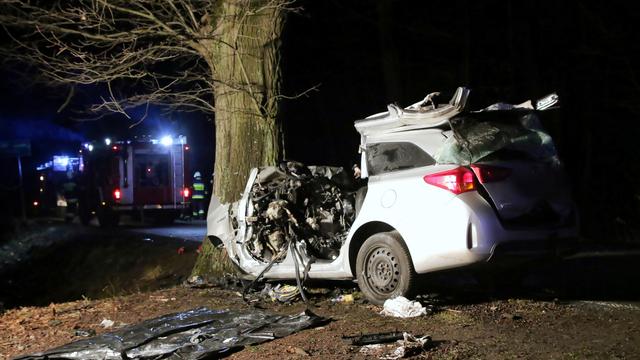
{"x": 366, "y": 54}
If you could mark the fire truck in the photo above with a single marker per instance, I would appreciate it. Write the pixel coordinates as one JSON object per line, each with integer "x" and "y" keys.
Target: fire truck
{"x": 143, "y": 177}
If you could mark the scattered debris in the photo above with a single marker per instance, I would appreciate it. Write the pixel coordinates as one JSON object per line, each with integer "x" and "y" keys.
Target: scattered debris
{"x": 372, "y": 350}
{"x": 344, "y": 298}
{"x": 193, "y": 334}
{"x": 402, "y": 307}
{"x": 379, "y": 338}
{"x": 106, "y": 323}
{"x": 406, "y": 345}
{"x": 85, "y": 332}
{"x": 196, "y": 281}
{"x": 409, "y": 346}
{"x": 226, "y": 281}
{"x": 281, "y": 293}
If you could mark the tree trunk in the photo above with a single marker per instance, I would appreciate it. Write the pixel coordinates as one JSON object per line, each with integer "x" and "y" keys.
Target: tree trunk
{"x": 246, "y": 68}
{"x": 213, "y": 263}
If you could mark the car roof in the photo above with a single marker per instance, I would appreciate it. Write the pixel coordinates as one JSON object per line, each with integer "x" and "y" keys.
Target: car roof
{"x": 426, "y": 113}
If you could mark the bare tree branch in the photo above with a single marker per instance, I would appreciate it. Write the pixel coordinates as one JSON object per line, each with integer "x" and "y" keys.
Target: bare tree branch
{"x": 164, "y": 47}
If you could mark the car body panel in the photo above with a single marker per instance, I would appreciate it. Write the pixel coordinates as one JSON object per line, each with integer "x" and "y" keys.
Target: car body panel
{"x": 440, "y": 229}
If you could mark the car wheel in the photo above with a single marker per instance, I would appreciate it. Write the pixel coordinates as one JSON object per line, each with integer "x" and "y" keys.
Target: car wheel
{"x": 383, "y": 268}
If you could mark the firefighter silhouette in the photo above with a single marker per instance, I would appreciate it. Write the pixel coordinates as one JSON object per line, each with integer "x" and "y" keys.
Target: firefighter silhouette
{"x": 198, "y": 196}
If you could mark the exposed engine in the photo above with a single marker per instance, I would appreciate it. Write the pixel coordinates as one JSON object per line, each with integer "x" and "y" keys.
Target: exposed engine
{"x": 294, "y": 202}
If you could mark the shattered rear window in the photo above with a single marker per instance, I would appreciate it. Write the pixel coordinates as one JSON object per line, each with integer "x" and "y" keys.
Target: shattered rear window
{"x": 393, "y": 156}
{"x": 496, "y": 135}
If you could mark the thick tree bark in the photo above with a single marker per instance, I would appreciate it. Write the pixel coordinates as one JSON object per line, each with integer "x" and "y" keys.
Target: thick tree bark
{"x": 245, "y": 64}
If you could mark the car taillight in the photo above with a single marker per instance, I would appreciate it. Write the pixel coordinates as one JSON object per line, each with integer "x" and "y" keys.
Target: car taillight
{"x": 186, "y": 192}
{"x": 487, "y": 173}
{"x": 458, "y": 180}
{"x": 117, "y": 194}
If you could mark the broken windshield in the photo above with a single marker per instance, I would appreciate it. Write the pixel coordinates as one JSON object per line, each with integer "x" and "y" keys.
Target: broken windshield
{"x": 480, "y": 135}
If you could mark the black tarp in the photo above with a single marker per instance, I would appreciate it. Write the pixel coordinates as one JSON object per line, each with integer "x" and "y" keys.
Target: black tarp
{"x": 195, "y": 334}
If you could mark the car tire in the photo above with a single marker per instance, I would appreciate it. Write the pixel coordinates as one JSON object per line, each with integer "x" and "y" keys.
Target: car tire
{"x": 384, "y": 269}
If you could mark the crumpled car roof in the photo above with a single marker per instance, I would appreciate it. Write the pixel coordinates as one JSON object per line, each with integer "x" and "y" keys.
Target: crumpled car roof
{"x": 475, "y": 134}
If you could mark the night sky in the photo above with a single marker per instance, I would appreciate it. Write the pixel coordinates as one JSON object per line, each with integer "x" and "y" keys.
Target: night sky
{"x": 366, "y": 54}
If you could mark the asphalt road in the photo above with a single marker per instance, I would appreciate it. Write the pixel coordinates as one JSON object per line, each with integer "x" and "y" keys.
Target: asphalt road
{"x": 191, "y": 231}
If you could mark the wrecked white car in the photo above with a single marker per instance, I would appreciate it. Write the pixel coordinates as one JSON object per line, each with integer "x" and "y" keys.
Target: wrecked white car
{"x": 445, "y": 188}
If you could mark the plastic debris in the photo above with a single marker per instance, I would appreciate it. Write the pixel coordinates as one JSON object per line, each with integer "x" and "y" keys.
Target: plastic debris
{"x": 345, "y": 299}
{"x": 196, "y": 281}
{"x": 406, "y": 345}
{"x": 379, "y": 338}
{"x": 409, "y": 346}
{"x": 403, "y": 308}
{"x": 281, "y": 293}
{"x": 195, "y": 334}
{"x": 106, "y": 323}
{"x": 85, "y": 332}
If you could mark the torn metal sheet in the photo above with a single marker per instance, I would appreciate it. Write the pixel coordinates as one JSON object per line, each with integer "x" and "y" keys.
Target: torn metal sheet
{"x": 423, "y": 114}
{"x": 194, "y": 334}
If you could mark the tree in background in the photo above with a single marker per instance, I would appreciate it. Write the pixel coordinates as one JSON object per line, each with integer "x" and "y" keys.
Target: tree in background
{"x": 206, "y": 55}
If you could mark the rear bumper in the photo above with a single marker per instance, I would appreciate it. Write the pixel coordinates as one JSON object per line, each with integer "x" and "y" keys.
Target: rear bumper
{"x": 479, "y": 238}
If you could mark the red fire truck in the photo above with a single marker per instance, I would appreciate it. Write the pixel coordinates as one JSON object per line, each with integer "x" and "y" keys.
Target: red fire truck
{"x": 143, "y": 177}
